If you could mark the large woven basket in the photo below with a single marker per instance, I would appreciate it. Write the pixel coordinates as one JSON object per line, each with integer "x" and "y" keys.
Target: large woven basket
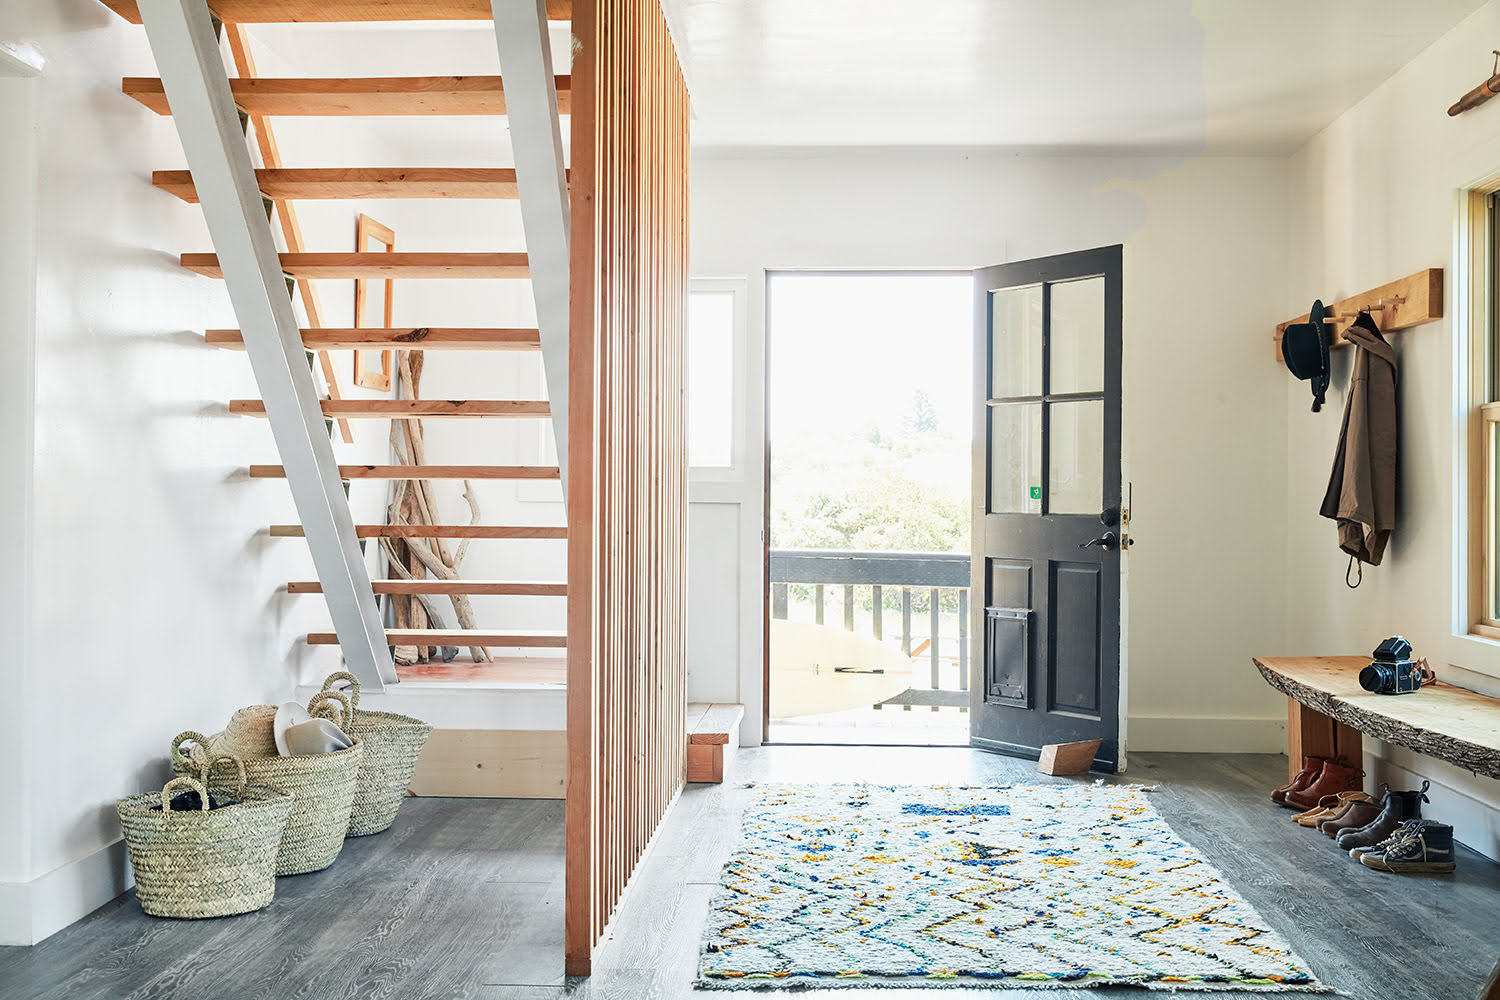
{"x": 392, "y": 745}
{"x": 206, "y": 863}
{"x": 323, "y": 786}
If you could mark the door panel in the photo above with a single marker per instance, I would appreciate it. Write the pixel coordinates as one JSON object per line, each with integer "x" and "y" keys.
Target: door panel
{"x": 1046, "y": 563}
{"x": 1073, "y": 661}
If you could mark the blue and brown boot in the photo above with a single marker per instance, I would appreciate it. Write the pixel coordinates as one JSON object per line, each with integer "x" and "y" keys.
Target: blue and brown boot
{"x": 1419, "y": 846}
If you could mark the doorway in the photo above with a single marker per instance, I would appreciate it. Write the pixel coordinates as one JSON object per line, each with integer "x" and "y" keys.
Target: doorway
{"x": 888, "y": 622}
{"x": 869, "y": 451}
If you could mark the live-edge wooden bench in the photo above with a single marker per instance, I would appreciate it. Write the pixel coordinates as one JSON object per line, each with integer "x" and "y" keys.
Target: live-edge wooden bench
{"x": 1328, "y": 712}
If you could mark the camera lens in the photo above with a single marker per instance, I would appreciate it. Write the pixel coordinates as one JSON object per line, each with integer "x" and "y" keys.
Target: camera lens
{"x": 1378, "y": 678}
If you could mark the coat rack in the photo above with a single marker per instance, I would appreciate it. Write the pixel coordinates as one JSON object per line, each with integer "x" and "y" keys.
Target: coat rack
{"x": 1406, "y": 302}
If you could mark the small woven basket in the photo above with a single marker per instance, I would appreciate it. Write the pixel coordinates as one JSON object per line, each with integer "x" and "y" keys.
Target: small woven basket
{"x": 392, "y": 745}
{"x": 323, "y": 787}
{"x": 205, "y": 863}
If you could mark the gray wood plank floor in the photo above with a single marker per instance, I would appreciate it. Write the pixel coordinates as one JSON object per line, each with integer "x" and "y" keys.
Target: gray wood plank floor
{"x": 462, "y": 898}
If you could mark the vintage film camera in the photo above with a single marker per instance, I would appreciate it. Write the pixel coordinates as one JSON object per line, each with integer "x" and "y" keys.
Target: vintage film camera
{"x": 1393, "y": 670}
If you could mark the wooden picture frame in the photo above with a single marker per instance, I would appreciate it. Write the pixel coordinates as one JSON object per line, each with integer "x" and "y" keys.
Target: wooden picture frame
{"x": 367, "y": 229}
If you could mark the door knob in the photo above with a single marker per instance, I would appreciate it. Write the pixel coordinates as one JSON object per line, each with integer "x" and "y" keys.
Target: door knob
{"x": 1106, "y": 541}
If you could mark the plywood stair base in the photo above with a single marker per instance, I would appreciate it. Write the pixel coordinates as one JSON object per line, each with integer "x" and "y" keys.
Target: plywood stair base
{"x": 713, "y": 739}
{"x": 493, "y": 764}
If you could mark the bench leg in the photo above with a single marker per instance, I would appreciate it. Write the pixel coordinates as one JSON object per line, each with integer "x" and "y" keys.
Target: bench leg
{"x": 1310, "y": 733}
{"x": 705, "y": 762}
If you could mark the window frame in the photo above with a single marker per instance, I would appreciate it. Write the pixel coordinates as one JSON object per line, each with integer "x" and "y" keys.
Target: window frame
{"x": 1477, "y": 624}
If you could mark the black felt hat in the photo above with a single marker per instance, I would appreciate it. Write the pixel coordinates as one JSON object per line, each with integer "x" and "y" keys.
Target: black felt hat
{"x": 1304, "y": 347}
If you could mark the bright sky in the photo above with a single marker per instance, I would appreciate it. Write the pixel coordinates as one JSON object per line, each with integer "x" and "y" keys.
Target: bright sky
{"x": 848, "y": 351}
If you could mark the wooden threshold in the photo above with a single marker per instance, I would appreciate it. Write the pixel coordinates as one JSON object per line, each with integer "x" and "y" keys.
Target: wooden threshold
{"x": 456, "y": 637}
{"x": 379, "y": 264}
{"x": 354, "y": 97}
{"x": 388, "y": 408}
{"x": 491, "y": 588}
{"x": 422, "y": 338}
{"x": 351, "y": 11}
{"x": 515, "y": 531}
{"x": 423, "y": 472}
{"x": 327, "y": 183}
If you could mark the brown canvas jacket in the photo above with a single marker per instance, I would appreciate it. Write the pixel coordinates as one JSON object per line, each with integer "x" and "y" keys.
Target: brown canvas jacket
{"x": 1362, "y": 490}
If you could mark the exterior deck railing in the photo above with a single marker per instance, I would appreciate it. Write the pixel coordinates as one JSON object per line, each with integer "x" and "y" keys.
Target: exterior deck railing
{"x": 941, "y": 578}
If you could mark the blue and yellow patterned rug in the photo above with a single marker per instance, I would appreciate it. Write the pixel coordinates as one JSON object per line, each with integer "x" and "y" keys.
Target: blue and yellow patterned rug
{"x": 1044, "y": 886}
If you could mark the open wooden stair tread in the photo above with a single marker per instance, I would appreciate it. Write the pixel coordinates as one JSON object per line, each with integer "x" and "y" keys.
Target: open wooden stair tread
{"x": 422, "y": 338}
{"x": 377, "y": 264}
{"x": 385, "y": 408}
{"x": 457, "y": 637}
{"x": 354, "y": 96}
{"x": 324, "y": 183}
{"x": 521, "y": 531}
{"x": 493, "y": 588}
{"x": 423, "y": 472}
{"x": 333, "y": 11}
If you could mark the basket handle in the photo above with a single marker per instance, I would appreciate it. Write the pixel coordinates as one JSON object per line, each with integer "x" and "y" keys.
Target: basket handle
{"x": 183, "y": 760}
{"x": 239, "y": 766}
{"x": 334, "y": 704}
{"x": 353, "y": 682}
{"x": 193, "y": 783}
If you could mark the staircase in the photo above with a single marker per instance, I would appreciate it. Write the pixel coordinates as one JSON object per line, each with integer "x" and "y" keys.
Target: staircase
{"x": 218, "y": 117}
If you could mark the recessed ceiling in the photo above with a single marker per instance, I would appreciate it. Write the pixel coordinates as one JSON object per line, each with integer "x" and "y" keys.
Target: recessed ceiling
{"x": 1224, "y": 75}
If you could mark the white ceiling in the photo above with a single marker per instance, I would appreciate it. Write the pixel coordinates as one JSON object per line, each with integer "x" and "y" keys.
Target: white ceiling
{"x": 1061, "y": 75}
{"x": 1228, "y": 75}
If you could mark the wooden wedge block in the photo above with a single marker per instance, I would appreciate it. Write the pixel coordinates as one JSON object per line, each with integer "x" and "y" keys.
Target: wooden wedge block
{"x": 1068, "y": 758}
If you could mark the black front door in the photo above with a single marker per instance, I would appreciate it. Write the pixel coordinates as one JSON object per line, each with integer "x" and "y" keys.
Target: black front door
{"x": 1047, "y": 518}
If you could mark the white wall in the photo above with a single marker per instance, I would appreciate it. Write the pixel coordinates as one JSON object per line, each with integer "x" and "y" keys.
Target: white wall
{"x": 1205, "y": 283}
{"x": 150, "y": 602}
{"x": 1373, "y": 198}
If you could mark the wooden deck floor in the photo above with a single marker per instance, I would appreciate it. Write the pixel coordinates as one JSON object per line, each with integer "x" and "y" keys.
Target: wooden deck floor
{"x": 463, "y": 899}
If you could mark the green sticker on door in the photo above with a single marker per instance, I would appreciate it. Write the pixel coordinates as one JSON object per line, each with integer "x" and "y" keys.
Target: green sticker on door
{"x": 1035, "y": 504}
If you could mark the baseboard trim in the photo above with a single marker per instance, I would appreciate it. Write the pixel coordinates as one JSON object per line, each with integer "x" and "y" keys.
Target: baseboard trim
{"x": 31, "y": 912}
{"x": 1457, "y": 797}
{"x": 1200, "y": 734}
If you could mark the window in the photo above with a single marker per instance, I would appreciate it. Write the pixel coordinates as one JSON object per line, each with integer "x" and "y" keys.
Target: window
{"x": 715, "y": 365}
{"x": 1484, "y": 423}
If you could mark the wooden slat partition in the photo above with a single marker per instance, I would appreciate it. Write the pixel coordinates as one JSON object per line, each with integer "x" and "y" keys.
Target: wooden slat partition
{"x": 627, "y": 497}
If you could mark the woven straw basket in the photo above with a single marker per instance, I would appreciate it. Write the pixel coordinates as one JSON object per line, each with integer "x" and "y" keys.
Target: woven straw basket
{"x": 323, "y": 786}
{"x": 392, "y": 745}
{"x": 206, "y": 863}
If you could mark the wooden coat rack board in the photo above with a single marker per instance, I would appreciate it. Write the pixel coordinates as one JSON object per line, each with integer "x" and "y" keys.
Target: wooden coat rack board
{"x": 1409, "y": 301}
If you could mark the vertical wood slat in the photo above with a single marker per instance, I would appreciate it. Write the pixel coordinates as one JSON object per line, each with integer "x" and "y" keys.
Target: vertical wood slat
{"x": 627, "y": 504}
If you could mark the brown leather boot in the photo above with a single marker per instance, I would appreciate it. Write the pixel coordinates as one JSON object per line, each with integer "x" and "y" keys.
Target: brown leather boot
{"x": 1328, "y": 806}
{"x": 1310, "y": 768}
{"x": 1334, "y": 778}
{"x": 1352, "y": 816}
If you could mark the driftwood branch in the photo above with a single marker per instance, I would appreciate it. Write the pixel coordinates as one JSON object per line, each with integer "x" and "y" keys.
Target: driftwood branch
{"x": 414, "y": 501}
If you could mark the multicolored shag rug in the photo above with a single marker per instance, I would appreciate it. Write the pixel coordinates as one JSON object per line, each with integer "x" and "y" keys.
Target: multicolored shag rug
{"x": 1023, "y": 886}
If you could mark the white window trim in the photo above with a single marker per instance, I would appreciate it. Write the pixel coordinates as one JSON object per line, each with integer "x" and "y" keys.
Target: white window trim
{"x": 1471, "y": 306}
{"x": 702, "y": 480}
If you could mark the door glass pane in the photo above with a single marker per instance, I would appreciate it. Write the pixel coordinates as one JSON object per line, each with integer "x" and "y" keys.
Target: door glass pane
{"x": 1016, "y": 342}
{"x": 1075, "y": 473}
{"x": 1016, "y": 458}
{"x": 1078, "y": 336}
